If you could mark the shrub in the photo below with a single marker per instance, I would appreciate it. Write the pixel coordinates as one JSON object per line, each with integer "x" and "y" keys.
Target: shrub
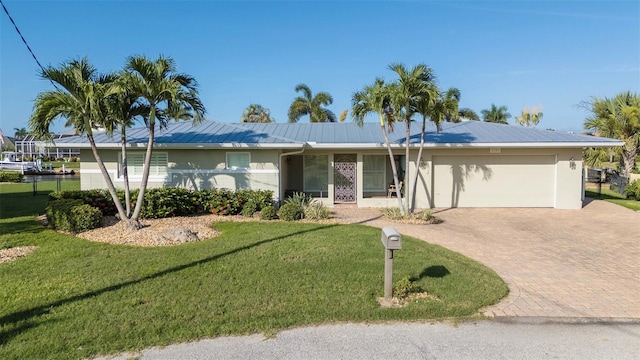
{"x": 633, "y": 189}
{"x": 72, "y": 215}
{"x": 290, "y": 212}
{"x": 85, "y": 217}
{"x": 268, "y": 213}
{"x": 167, "y": 202}
{"x": 300, "y": 199}
{"x": 224, "y": 202}
{"x": 100, "y": 199}
{"x": 425, "y": 215}
{"x": 404, "y": 287}
{"x": 11, "y": 176}
{"x": 249, "y": 208}
{"x": 392, "y": 213}
{"x": 316, "y": 210}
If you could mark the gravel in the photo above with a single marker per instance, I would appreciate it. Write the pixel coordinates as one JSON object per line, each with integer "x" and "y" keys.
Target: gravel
{"x": 15, "y": 252}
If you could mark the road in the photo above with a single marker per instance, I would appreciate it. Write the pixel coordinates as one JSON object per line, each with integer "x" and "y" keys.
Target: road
{"x": 478, "y": 340}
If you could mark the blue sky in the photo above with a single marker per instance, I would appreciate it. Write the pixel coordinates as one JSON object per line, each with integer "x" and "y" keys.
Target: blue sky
{"x": 512, "y": 53}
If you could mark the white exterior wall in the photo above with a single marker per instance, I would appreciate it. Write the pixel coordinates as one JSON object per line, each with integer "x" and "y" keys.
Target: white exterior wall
{"x": 191, "y": 169}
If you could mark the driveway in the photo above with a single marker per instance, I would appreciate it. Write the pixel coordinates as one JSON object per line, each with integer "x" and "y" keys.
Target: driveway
{"x": 558, "y": 263}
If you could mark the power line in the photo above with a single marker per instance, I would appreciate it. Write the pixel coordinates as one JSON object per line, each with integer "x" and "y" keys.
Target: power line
{"x": 25, "y": 42}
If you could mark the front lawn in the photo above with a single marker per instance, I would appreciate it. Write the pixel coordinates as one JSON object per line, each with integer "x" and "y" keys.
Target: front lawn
{"x": 18, "y": 199}
{"x": 612, "y": 197}
{"x": 74, "y": 299}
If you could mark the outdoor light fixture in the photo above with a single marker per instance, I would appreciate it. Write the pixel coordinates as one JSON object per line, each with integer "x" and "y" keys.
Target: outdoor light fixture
{"x": 572, "y": 163}
{"x": 288, "y": 160}
{"x": 422, "y": 164}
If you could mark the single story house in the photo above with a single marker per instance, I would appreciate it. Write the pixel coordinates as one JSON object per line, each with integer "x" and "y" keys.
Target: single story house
{"x": 466, "y": 164}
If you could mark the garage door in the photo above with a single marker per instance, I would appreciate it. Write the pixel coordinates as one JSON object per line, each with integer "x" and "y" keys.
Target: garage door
{"x": 494, "y": 181}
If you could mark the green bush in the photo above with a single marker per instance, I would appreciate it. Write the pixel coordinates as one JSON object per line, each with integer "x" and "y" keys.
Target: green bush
{"x": 300, "y": 199}
{"x": 404, "y": 287}
{"x": 633, "y": 189}
{"x": 11, "y": 176}
{"x": 249, "y": 208}
{"x": 268, "y": 213}
{"x": 85, "y": 217}
{"x": 100, "y": 199}
{"x": 167, "y": 202}
{"x": 316, "y": 210}
{"x": 290, "y": 212}
{"x": 425, "y": 215}
{"x": 72, "y": 215}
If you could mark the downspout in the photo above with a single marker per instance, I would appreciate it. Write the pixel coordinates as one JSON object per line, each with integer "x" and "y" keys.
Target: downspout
{"x": 297, "y": 152}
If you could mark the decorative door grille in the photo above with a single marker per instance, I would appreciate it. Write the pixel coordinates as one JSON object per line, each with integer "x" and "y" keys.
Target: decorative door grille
{"x": 345, "y": 182}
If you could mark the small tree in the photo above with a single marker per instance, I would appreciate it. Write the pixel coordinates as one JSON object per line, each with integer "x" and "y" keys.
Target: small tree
{"x": 312, "y": 105}
{"x": 498, "y": 115}
{"x": 256, "y": 113}
{"x": 529, "y": 117}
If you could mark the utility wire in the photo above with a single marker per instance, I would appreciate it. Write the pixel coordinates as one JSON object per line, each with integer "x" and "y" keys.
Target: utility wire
{"x": 25, "y": 42}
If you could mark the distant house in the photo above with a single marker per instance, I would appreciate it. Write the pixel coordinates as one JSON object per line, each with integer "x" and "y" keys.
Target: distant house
{"x": 467, "y": 164}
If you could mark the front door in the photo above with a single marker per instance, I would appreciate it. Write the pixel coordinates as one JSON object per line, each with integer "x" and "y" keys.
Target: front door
{"x": 345, "y": 178}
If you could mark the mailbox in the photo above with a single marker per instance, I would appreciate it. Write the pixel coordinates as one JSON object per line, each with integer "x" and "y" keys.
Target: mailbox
{"x": 391, "y": 239}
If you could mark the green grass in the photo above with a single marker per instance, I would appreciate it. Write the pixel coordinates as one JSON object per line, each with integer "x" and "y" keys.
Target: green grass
{"x": 67, "y": 165}
{"x": 73, "y": 298}
{"x": 17, "y": 199}
{"x": 613, "y": 197}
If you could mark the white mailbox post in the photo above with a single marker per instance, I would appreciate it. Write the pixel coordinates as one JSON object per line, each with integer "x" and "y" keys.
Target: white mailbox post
{"x": 392, "y": 240}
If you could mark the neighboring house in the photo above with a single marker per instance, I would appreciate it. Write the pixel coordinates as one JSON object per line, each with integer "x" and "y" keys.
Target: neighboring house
{"x": 467, "y": 164}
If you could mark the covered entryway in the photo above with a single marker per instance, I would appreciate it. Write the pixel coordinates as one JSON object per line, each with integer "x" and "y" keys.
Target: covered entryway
{"x": 344, "y": 178}
{"x": 494, "y": 181}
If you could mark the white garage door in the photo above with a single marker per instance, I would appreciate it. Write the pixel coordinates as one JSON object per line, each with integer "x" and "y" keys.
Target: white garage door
{"x": 494, "y": 181}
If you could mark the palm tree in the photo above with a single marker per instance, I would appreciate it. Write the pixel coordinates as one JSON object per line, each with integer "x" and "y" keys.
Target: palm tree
{"x": 529, "y": 117}
{"x": 412, "y": 86}
{"x": 255, "y": 113}
{"x": 21, "y": 133}
{"x": 123, "y": 108}
{"x": 498, "y": 115}
{"x": 619, "y": 118}
{"x": 469, "y": 114}
{"x": 376, "y": 99}
{"x": 168, "y": 95}
{"x": 307, "y": 104}
{"x": 80, "y": 99}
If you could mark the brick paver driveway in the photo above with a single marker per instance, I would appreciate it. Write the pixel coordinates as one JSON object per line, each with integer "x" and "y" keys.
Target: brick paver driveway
{"x": 558, "y": 263}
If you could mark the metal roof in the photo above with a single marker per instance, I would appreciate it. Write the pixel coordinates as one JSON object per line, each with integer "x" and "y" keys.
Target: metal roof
{"x": 344, "y": 135}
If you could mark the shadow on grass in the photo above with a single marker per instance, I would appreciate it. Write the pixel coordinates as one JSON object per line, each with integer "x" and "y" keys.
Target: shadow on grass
{"x": 26, "y": 226}
{"x": 27, "y": 315}
{"x": 434, "y": 271}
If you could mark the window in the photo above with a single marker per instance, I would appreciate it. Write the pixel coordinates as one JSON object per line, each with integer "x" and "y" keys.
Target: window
{"x": 316, "y": 172}
{"x": 238, "y": 160}
{"x": 374, "y": 169}
{"x": 158, "y": 166}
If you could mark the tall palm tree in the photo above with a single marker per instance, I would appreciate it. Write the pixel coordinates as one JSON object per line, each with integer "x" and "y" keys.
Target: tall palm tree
{"x": 311, "y": 105}
{"x": 412, "y": 86}
{"x": 529, "y": 117}
{"x": 498, "y": 115}
{"x": 122, "y": 109}
{"x": 376, "y": 99}
{"x": 81, "y": 100}
{"x": 469, "y": 114}
{"x": 619, "y": 118}
{"x": 168, "y": 95}
{"x": 256, "y": 113}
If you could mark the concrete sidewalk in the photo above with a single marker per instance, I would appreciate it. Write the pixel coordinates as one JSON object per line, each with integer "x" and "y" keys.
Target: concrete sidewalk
{"x": 558, "y": 263}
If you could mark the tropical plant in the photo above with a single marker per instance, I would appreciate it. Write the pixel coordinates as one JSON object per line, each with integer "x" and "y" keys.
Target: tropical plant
{"x": 498, "y": 115}
{"x": 376, "y": 99}
{"x": 619, "y": 118}
{"x": 343, "y": 115}
{"x": 529, "y": 117}
{"x": 412, "y": 86}
{"x": 168, "y": 95}
{"x": 466, "y": 113}
{"x": 80, "y": 98}
{"x": 256, "y": 113}
{"x": 311, "y": 105}
{"x": 21, "y": 133}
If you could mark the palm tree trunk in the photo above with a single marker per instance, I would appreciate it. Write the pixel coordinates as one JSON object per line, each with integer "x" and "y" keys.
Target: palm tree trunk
{"x": 107, "y": 178}
{"x": 134, "y": 222}
{"x": 407, "y": 162}
{"x": 125, "y": 171}
{"x": 628, "y": 158}
{"x": 415, "y": 177}
{"x": 396, "y": 182}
